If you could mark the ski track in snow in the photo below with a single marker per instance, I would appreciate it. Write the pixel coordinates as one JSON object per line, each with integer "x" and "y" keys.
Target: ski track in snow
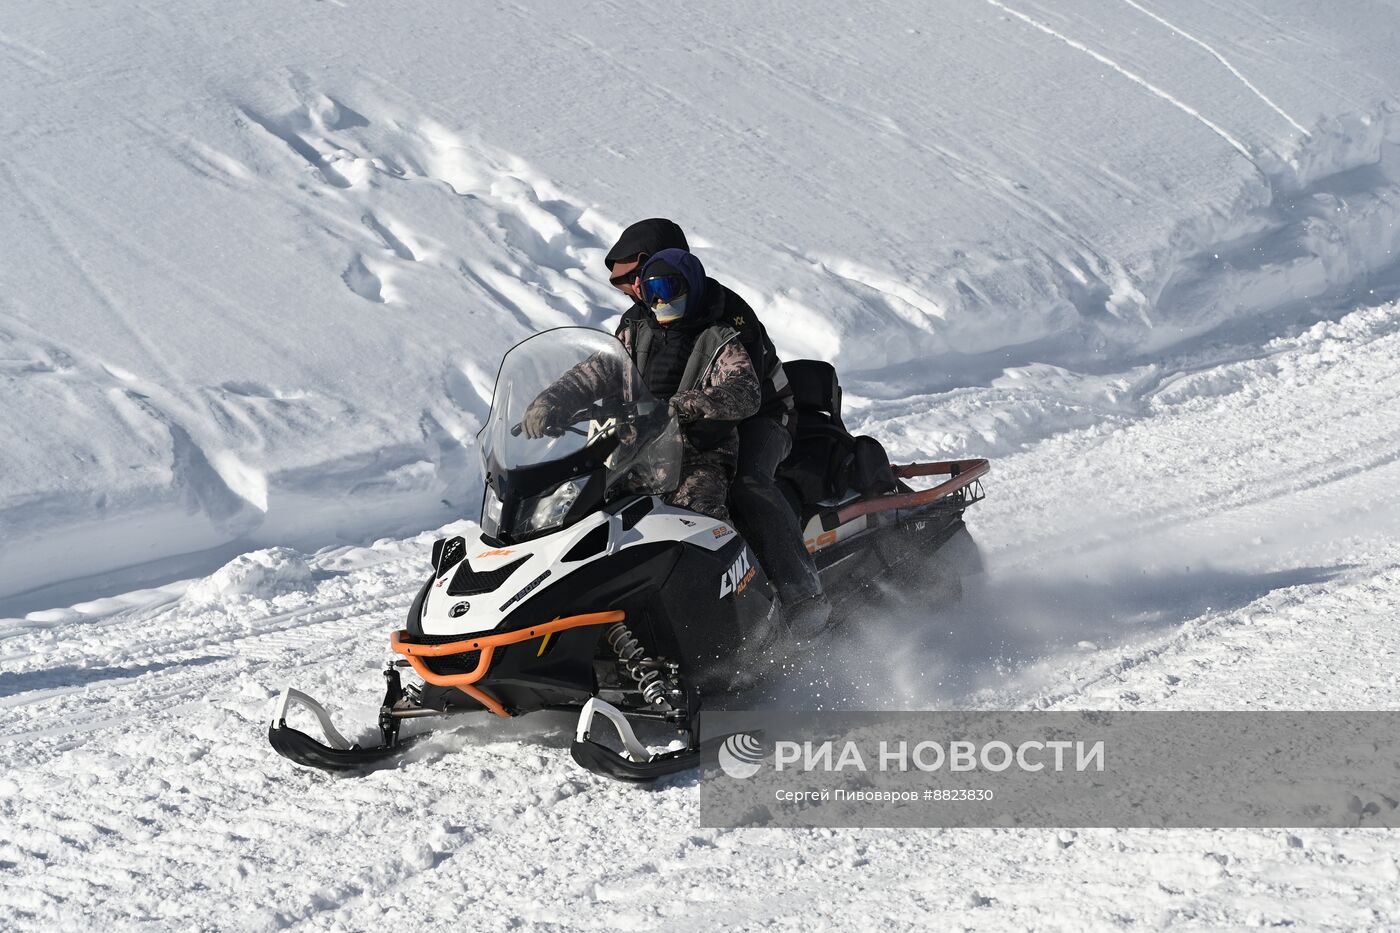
{"x": 139, "y": 763}
{"x": 1131, "y": 76}
{"x": 26, "y": 55}
{"x": 1214, "y": 53}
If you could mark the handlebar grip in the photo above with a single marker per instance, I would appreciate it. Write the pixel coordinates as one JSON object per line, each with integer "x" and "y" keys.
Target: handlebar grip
{"x": 515, "y": 430}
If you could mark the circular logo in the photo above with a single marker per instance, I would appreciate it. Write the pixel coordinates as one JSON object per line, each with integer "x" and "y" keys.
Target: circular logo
{"x": 741, "y": 755}
{"x": 459, "y": 609}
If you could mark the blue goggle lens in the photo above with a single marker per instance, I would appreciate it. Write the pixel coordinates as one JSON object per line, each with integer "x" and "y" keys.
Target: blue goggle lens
{"x": 662, "y": 288}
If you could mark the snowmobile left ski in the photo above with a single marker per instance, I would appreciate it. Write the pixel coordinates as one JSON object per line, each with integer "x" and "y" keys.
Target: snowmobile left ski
{"x": 586, "y": 591}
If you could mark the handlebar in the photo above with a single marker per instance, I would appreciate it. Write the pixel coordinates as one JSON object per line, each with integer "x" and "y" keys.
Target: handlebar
{"x": 592, "y": 413}
{"x": 550, "y": 431}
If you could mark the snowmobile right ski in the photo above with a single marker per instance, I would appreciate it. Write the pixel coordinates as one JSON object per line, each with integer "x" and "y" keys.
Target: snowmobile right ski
{"x": 342, "y": 754}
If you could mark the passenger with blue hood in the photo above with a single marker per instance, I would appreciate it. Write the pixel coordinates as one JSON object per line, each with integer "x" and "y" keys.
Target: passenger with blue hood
{"x": 759, "y": 508}
{"x": 681, "y": 302}
{"x": 690, "y": 358}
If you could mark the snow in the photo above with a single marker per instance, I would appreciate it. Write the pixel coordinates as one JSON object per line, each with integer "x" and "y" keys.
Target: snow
{"x": 258, "y": 281}
{"x": 263, "y": 259}
{"x": 258, "y": 574}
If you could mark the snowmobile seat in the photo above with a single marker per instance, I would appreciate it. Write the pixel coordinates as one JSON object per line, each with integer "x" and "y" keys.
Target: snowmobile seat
{"x": 815, "y": 391}
{"x": 827, "y": 464}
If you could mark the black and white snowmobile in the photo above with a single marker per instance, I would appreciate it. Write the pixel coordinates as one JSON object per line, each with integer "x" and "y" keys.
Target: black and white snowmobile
{"x": 586, "y": 591}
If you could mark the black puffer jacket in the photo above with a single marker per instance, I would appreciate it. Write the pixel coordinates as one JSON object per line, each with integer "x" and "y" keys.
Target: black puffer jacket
{"x": 724, "y": 305}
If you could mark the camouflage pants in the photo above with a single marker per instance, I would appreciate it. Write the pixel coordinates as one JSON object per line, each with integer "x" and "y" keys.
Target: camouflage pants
{"x": 704, "y": 488}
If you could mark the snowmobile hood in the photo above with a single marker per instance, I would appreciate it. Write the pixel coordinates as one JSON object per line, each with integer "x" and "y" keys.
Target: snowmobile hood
{"x": 647, "y": 236}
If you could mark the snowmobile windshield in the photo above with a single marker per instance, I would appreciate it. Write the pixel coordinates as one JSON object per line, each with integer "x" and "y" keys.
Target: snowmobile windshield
{"x": 570, "y": 415}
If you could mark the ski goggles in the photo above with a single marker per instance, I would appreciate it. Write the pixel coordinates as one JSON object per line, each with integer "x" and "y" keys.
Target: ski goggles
{"x": 663, "y": 289}
{"x": 630, "y": 276}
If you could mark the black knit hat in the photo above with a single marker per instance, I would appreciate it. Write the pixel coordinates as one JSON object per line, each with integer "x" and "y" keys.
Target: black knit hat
{"x": 647, "y": 236}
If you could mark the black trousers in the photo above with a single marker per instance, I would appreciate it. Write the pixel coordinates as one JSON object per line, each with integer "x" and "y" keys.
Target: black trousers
{"x": 763, "y": 515}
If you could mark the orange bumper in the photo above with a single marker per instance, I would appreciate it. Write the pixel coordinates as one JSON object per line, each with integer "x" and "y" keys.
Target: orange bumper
{"x": 487, "y": 645}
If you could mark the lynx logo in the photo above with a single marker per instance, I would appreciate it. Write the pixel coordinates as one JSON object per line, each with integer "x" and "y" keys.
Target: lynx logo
{"x": 459, "y": 609}
{"x": 738, "y": 577}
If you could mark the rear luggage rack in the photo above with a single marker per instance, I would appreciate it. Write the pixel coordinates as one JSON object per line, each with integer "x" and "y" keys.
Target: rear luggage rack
{"x": 964, "y": 477}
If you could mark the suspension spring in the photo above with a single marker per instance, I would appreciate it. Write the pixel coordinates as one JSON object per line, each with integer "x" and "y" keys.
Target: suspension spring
{"x": 638, "y": 666}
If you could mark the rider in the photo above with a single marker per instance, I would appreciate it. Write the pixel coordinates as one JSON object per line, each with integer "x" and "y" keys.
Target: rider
{"x": 765, "y": 439}
{"x": 688, "y": 356}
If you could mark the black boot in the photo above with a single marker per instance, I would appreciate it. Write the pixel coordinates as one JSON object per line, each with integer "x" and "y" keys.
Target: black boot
{"x": 807, "y": 616}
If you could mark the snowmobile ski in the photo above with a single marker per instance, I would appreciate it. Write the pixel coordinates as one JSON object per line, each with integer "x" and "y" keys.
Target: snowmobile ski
{"x": 341, "y": 754}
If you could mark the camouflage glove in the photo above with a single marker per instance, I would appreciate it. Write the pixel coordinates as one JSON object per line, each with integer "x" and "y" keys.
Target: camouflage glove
{"x": 681, "y": 411}
{"x": 538, "y": 419}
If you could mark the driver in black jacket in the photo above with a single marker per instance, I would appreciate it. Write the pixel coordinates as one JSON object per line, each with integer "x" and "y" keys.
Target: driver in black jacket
{"x": 758, "y": 507}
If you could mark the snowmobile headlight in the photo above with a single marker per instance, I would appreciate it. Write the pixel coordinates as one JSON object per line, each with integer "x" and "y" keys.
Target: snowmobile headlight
{"x": 491, "y": 513}
{"x": 548, "y": 510}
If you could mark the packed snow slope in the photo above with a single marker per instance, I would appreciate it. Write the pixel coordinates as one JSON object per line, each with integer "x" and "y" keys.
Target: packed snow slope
{"x": 261, "y": 259}
{"x": 1230, "y": 545}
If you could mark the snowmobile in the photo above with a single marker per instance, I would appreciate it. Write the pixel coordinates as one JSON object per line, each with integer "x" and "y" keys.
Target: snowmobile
{"x": 586, "y": 591}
